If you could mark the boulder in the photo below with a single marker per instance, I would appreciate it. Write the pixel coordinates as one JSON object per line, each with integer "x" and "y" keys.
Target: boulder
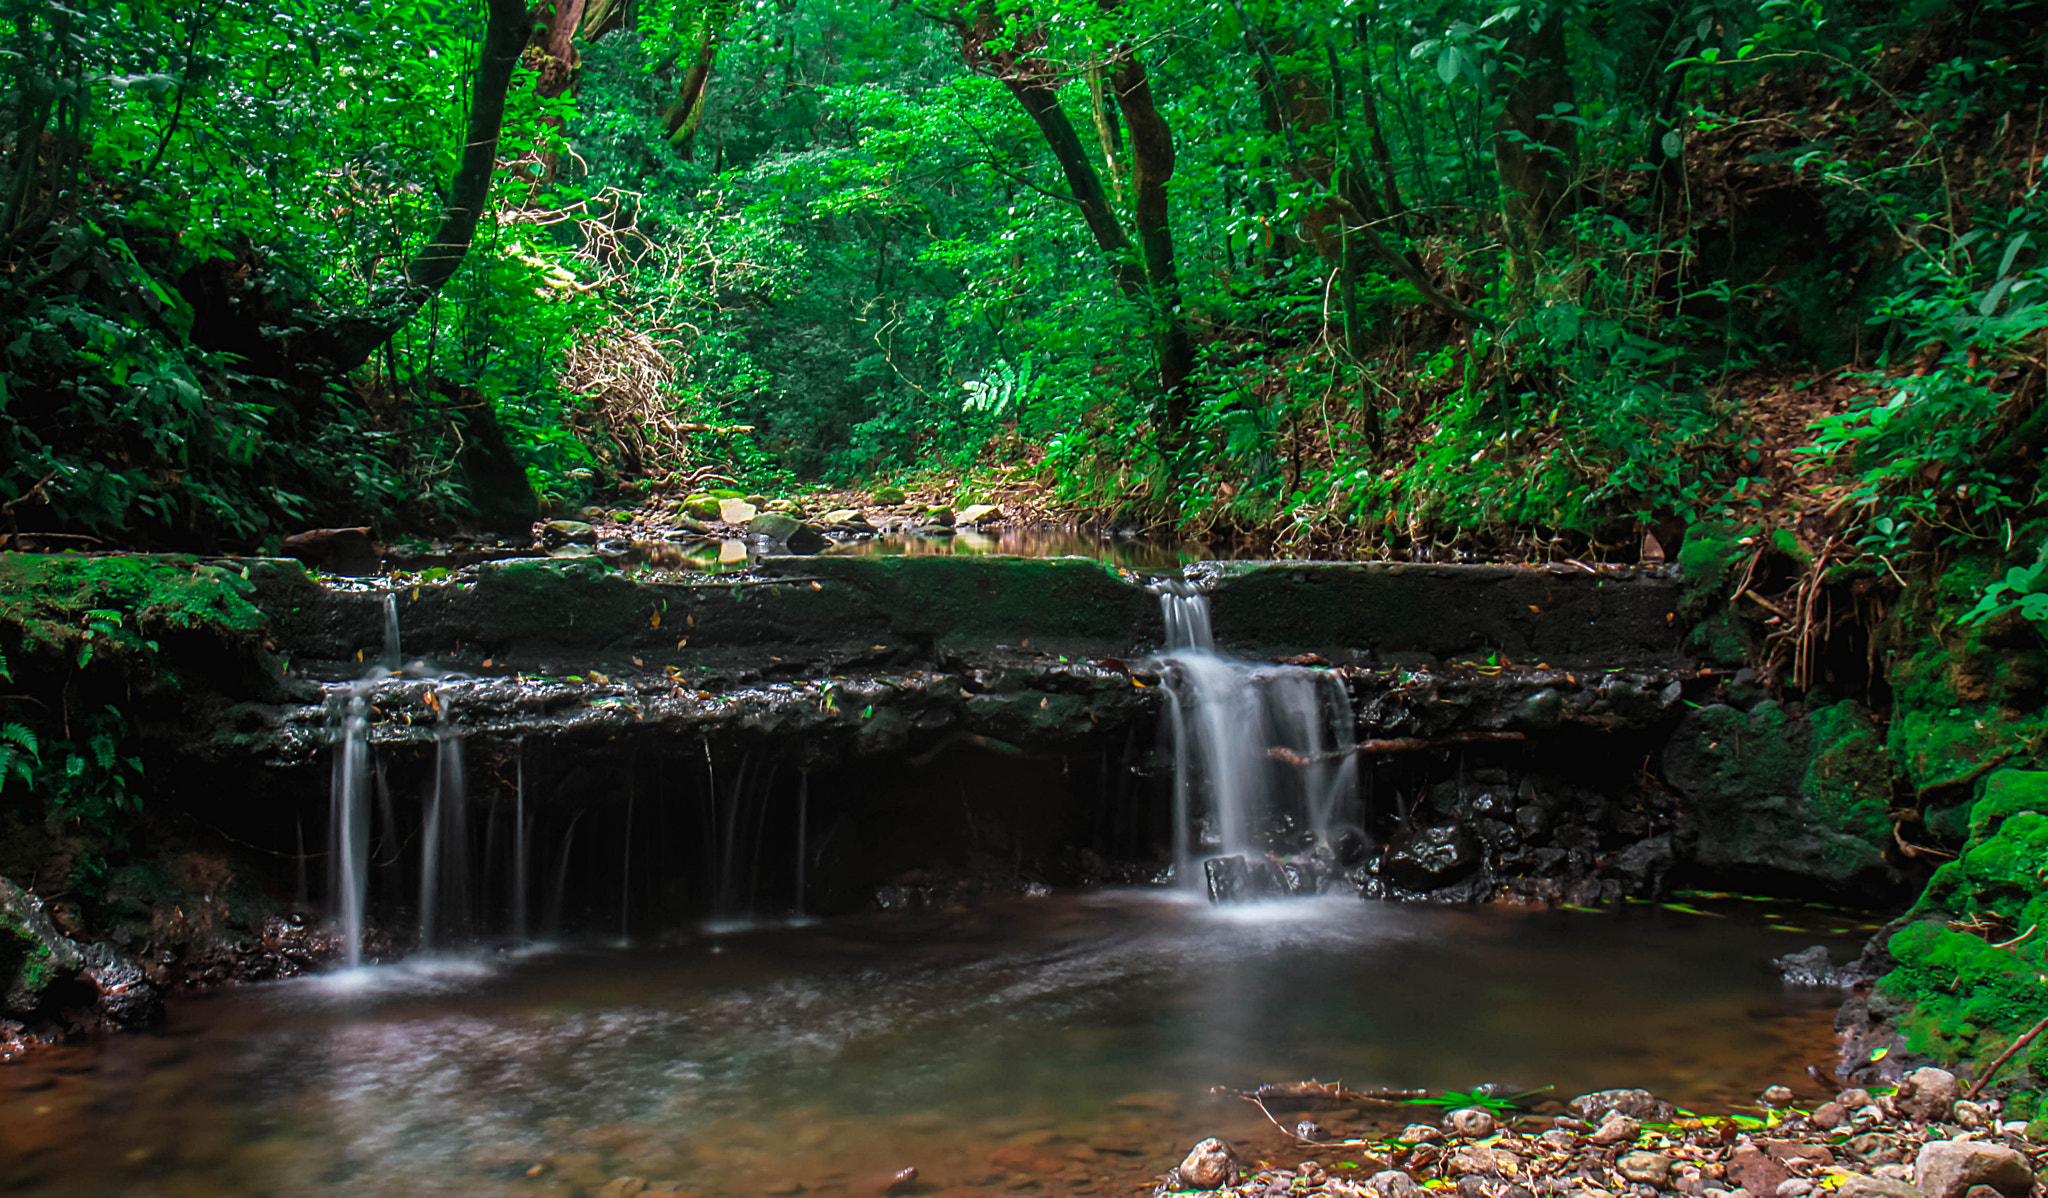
{"x": 700, "y": 507}
{"x": 557, "y": 533}
{"x": 127, "y": 1000}
{"x": 976, "y": 513}
{"x": 736, "y": 511}
{"x": 1949, "y": 1168}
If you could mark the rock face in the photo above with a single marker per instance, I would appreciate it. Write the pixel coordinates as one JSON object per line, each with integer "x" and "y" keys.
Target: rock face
{"x": 1786, "y": 797}
{"x": 1949, "y": 1168}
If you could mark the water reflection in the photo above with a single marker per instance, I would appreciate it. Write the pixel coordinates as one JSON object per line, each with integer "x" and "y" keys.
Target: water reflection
{"x": 961, "y": 1043}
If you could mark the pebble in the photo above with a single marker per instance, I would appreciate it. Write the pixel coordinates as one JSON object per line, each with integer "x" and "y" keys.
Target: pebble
{"x": 1420, "y": 1133}
{"x": 1859, "y": 1186}
{"x": 1794, "y": 1187}
{"x": 1777, "y": 1095}
{"x": 1971, "y": 1116}
{"x": 1830, "y": 1115}
{"x": 1473, "y": 1123}
{"x": 1950, "y": 1168}
{"x": 1207, "y": 1165}
{"x": 1618, "y": 1129}
{"x": 1644, "y": 1168}
{"x": 1636, "y": 1104}
{"x": 1392, "y": 1183}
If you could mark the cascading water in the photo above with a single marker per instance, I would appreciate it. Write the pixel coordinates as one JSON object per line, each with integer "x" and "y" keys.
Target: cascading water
{"x": 1264, "y": 759}
{"x": 348, "y": 839}
{"x": 444, "y": 843}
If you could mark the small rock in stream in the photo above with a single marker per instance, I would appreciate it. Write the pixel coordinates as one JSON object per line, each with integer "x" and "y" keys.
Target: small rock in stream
{"x": 1830, "y": 1115}
{"x": 1208, "y": 1165}
{"x": 1971, "y": 1116}
{"x": 1644, "y": 1168}
{"x": 1636, "y": 1104}
{"x": 1777, "y": 1095}
{"x": 1392, "y": 1183}
{"x": 1473, "y": 1123}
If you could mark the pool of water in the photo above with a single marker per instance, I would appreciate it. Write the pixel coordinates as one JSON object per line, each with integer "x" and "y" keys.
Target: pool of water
{"x": 1061, "y": 1045}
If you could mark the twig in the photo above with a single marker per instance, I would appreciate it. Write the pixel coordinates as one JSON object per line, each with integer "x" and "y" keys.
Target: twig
{"x": 1983, "y": 1080}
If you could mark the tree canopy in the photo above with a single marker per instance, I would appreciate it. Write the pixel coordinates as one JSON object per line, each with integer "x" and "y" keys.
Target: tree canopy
{"x": 1364, "y": 276}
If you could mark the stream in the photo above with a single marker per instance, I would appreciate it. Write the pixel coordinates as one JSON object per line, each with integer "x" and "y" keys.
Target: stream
{"x": 1057, "y": 1045}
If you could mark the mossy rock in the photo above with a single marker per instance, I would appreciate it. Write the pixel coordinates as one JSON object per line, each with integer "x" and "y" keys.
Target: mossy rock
{"x": 1964, "y": 696}
{"x": 700, "y": 507}
{"x": 726, "y": 493}
{"x": 34, "y": 956}
{"x": 1707, "y": 559}
{"x": 1803, "y": 797}
{"x": 887, "y": 496}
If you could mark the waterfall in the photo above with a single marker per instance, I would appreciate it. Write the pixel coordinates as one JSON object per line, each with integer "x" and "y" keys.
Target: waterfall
{"x": 1264, "y": 756}
{"x": 391, "y": 656}
{"x": 348, "y": 839}
{"x": 519, "y": 846}
{"x": 444, "y": 840}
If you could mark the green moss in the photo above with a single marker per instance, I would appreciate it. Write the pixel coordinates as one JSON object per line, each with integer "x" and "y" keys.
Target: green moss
{"x": 48, "y": 599}
{"x": 1848, "y": 781}
{"x": 1707, "y": 558}
{"x": 887, "y": 495}
{"x": 1962, "y": 696}
{"x": 2007, "y": 793}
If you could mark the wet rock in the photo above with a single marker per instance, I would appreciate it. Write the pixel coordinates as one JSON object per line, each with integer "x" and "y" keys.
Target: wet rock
{"x": 1863, "y": 1186}
{"x": 1811, "y": 967}
{"x": 1776, "y": 1095}
{"x": 700, "y": 507}
{"x": 127, "y": 1000}
{"x": 1830, "y": 1115}
{"x": 978, "y": 513}
{"x": 1644, "y": 1168}
{"x": 1430, "y": 858}
{"x": 1473, "y": 1123}
{"x": 843, "y": 515}
{"x": 34, "y": 956}
{"x": 736, "y": 511}
{"x": 1927, "y": 1093}
{"x": 1208, "y": 1165}
{"x": 1420, "y": 1133}
{"x": 1636, "y": 1104}
{"x": 557, "y": 533}
{"x": 1950, "y": 1168}
{"x": 786, "y": 529}
{"x": 1229, "y": 879}
{"x": 1617, "y": 1128}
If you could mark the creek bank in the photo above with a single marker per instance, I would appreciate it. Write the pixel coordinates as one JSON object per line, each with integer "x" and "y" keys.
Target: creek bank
{"x": 1918, "y": 1139}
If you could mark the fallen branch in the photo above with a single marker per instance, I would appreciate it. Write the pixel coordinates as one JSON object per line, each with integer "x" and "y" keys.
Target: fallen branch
{"x": 1977, "y": 1087}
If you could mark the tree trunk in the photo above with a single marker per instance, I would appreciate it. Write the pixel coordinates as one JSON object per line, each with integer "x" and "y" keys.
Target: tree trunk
{"x": 344, "y": 344}
{"x": 682, "y": 118}
{"x": 1151, "y": 168}
{"x": 1369, "y": 108}
{"x": 1042, "y": 101}
{"x": 1533, "y": 148}
{"x": 556, "y": 67}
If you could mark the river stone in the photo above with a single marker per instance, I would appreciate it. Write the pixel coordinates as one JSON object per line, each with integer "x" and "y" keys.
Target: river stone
{"x": 1756, "y": 1172}
{"x": 127, "y": 999}
{"x": 623, "y": 1187}
{"x": 776, "y": 526}
{"x": 975, "y": 513}
{"x": 1777, "y": 1095}
{"x": 1794, "y": 1187}
{"x": 843, "y": 515}
{"x": 1948, "y": 1168}
{"x": 1855, "y": 1099}
{"x": 1420, "y": 1133}
{"x": 1830, "y": 1115}
{"x": 1927, "y": 1093}
{"x": 1617, "y": 1129}
{"x": 701, "y": 507}
{"x": 692, "y": 524}
{"x": 557, "y": 533}
{"x": 1861, "y": 1186}
{"x": 736, "y": 511}
{"x": 1429, "y": 858}
{"x": 1875, "y": 1148}
{"x": 1971, "y": 1116}
{"x": 1645, "y": 1168}
{"x": 887, "y": 496}
{"x": 1392, "y": 1183}
{"x": 1636, "y": 1104}
{"x": 1474, "y": 1123}
{"x": 1207, "y": 1165}
{"x": 941, "y": 517}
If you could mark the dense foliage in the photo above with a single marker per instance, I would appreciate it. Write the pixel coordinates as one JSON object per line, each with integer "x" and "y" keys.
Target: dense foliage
{"x": 1374, "y": 275}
